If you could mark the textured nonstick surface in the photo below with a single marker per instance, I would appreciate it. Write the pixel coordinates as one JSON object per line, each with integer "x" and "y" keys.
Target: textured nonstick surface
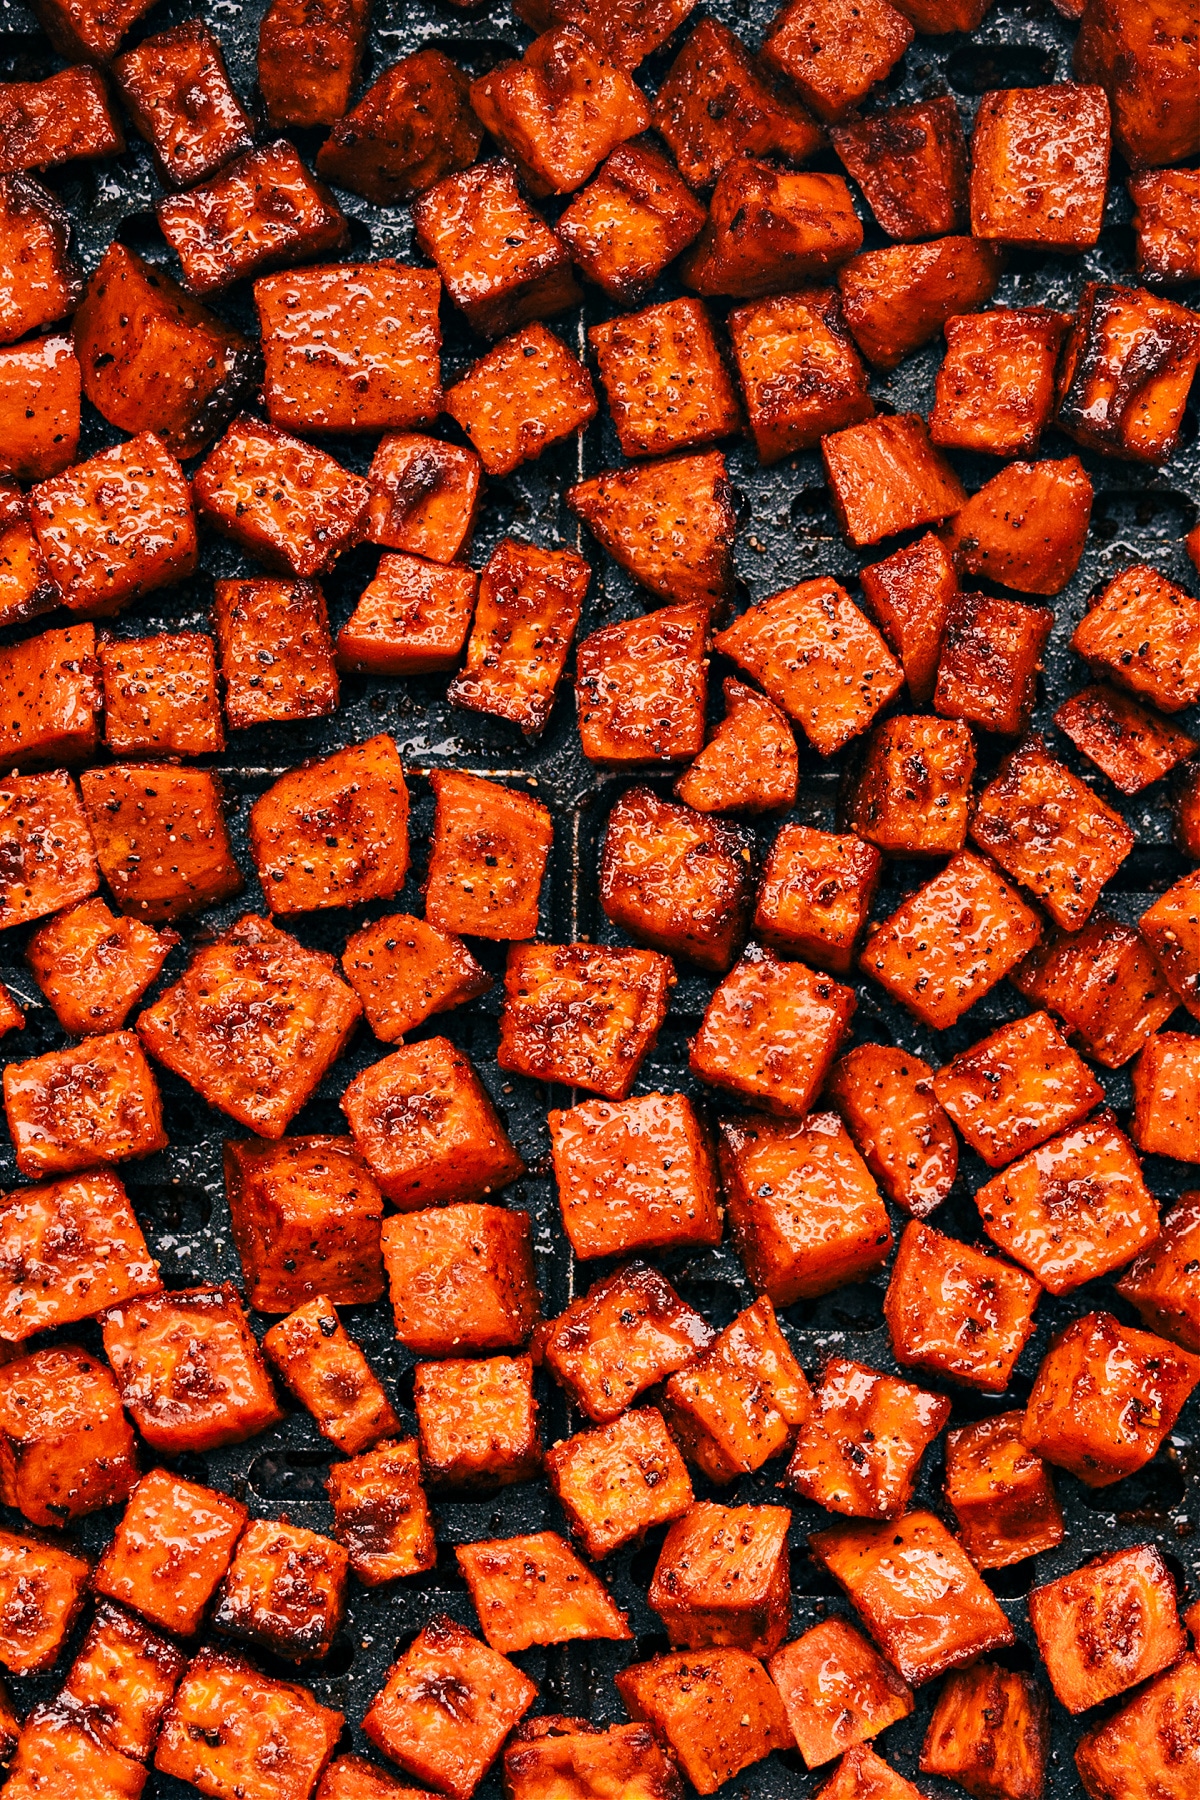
{"x": 787, "y": 534}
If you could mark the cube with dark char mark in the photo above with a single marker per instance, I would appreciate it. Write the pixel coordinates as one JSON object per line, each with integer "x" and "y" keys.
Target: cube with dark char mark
{"x": 230, "y": 1731}
{"x": 954, "y": 1312}
{"x": 1144, "y": 633}
{"x": 487, "y": 859}
{"x": 814, "y": 896}
{"x": 63, "y": 1749}
{"x": 885, "y": 1098}
{"x": 40, "y": 388}
{"x": 583, "y": 1015}
{"x": 626, "y": 1334}
{"x": 67, "y": 1251}
{"x": 324, "y": 1368}
{"x": 897, "y": 299}
{"x": 284, "y": 1591}
{"x": 722, "y": 1578}
{"x": 912, "y": 794}
{"x": 286, "y": 503}
{"x": 1015, "y": 1088}
{"x": 1166, "y": 220}
{"x": 42, "y": 1588}
{"x": 462, "y": 1279}
{"x": 96, "y": 1102}
{"x": 859, "y": 1450}
{"x": 769, "y": 229}
{"x": 1039, "y": 166}
{"x": 178, "y": 94}
{"x": 1127, "y": 367}
{"x": 412, "y": 618}
{"x": 334, "y": 832}
{"x": 624, "y": 31}
{"x": 277, "y": 658}
{"x": 412, "y": 128}
{"x": 995, "y": 388}
{"x": 380, "y": 1513}
{"x": 799, "y": 369}
{"x": 40, "y": 281}
{"x": 572, "y": 1757}
{"x": 635, "y": 1175}
{"x": 990, "y": 1732}
{"x": 306, "y": 1214}
{"x": 988, "y": 669}
{"x": 47, "y": 858}
{"x": 160, "y": 695}
{"x": 837, "y": 1690}
{"x": 1000, "y": 1492}
{"x": 1144, "y": 63}
{"x": 676, "y": 880}
{"x": 478, "y": 1423}
{"x": 771, "y": 1031}
{"x": 160, "y": 837}
{"x": 309, "y": 57}
{"x": 749, "y": 764}
{"x": 68, "y": 117}
{"x": 354, "y": 1778}
{"x": 671, "y": 524}
{"x": 631, "y": 221}
{"x": 1125, "y": 741}
{"x": 534, "y": 1590}
{"x": 1107, "y": 1626}
{"x": 1163, "y": 1283}
{"x": 909, "y": 595}
{"x": 1150, "y": 1743}
{"x": 84, "y": 31}
{"x": 525, "y": 618}
{"x": 718, "y": 101}
{"x": 189, "y": 1369}
{"x": 424, "y": 495}
{"x": 125, "y": 1675}
{"x": 717, "y": 1709}
{"x": 170, "y": 1550}
{"x": 911, "y": 163}
{"x": 616, "y": 1481}
{"x": 405, "y": 970}
{"x": 664, "y": 378}
{"x": 50, "y": 693}
{"x": 66, "y": 1447}
{"x": 264, "y": 210}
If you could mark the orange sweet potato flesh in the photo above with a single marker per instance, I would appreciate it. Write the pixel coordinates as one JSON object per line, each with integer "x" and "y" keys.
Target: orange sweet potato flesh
{"x": 364, "y": 789}
{"x": 1109, "y": 1625}
{"x": 641, "y": 687}
{"x": 886, "y": 1100}
{"x": 1001, "y": 1493}
{"x": 404, "y": 970}
{"x": 771, "y": 1031}
{"x": 63, "y": 118}
{"x": 675, "y": 880}
{"x": 718, "y": 102}
{"x": 800, "y": 371}
{"x": 885, "y": 476}
{"x": 86, "y": 1244}
{"x": 722, "y": 1578}
{"x": 525, "y": 618}
{"x": 324, "y": 1368}
{"x": 770, "y": 229}
{"x": 309, "y": 52}
{"x": 42, "y": 1588}
{"x": 487, "y": 859}
{"x": 171, "y": 1548}
{"x": 381, "y": 1516}
{"x": 616, "y": 1481}
{"x": 1015, "y": 1088}
{"x": 424, "y": 496}
{"x": 913, "y": 792}
{"x": 717, "y": 1709}
{"x": 534, "y": 1590}
{"x": 263, "y": 211}
{"x": 226, "y": 1720}
{"x": 177, "y": 90}
{"x": 1025, "y": 529}
{"x": 834, "y": 53}
{"x": 39, "y": 408}
{"x": 66, "y": 1447}
{"x": 637, "y": 1175}
{"x": 1148, "y": 1750}
{"x": 624, "y": 1335}
{"x": 461, "y": 1278}
{"x": 670, "y": 523}
{"x": 952, "y": 1311}
{"x": 284, "y": 1591}
{"x": 990, "y": 1732}
{"x": 1162, "y": 1282}
{"x": 990, "y": 660}
{"x": 860, "y": 1448}
{"x": 1127, "y": 367}
{"x": 665, "y": 380}
{"x": 749, "y": 764}
{"x": 478, "y": 1423}
{"x": 289, "y": 505}
{"x": 909, "y": 594}
{"x": 39, "y": 280}
{"x": 837, "y": 1690}
{"x": 895, "y": 300}
{"x": 624, "y": 31}
{"x": 739, "y": 1404}
{"x": 160, "y": 838}
{"x": 911, "y": 163}
{"x": 96, "y": 1102}
{"x": 411, "y": 128}
{"x": 615, "y": 998}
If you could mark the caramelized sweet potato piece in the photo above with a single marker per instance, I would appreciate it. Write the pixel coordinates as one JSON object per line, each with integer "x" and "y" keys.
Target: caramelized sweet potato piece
{"x": 286, "y": 503}
{"x": 478, "y": 1423}
{"x": 837, "y": 1690}
{"x": 583, "y": 1015}
{"x": 42, "y": 1587}
{"x": 859, "y": 1450}
{"x": 990, "y": 1732}
{"x": 913, "y": 791}
{"x": 1015, "y": 1088}
{"x": 68, "y": 1250}
{"x": 39, "y": 408}
{"x": 381, "y": 1516}
{"x": 227, "y": 1723}
{"x": 1104, "y": 983}
{"x": 66, "y": 1447}
{"x": 1162, "y": 1282}
{"x": 717, "y": 1709}
{"x": 160, "y": 695}
{"x": 63, "y": 1750}
{"x": 306, "y": 1215}
{"x": 624, "y": 31}
{"x": 284, "y": 1591}
{"x": 895, "y": 300}
{"x": 627, "y": 1333}
{"x": 571, "y": 1759}
{"x": 641, "y": 687}
{"x": 1166, "y": 1097}
{"x": 1107, "y": 1626}
{"x": 613, "y": 1483}
{"x": 309, "y": 55}
{"x": 1125, "y": 741}
{"x": 160, "y": 838}
{"x": 412, "y": 128}
{"x": 671, "y": 524}
{"x": 1166, "y": 207}
{"x": 1172, "y": 930}
{"x": 740, "y": 1402}
{"x": 1144, "y": 63}
{"x": 1128, "y": 364}
{"x": 909, "y": 594}
{"x": 354, "y": 1778}
{"x": 630, "y": 222}
{"x": 1027, "y": 527}
{"x": 171, "y": 1548}
{"x": 177, "y": 90}
{"x": 327, "y": 1372}
{"x": 412, "y": 619}
{"x": 995, "y": 388}
{"x": 988, "y": 669}
{"x": 635, "y": 1175}
{"x": 95, "y": 1102}
{"x": 806, "y": 1216}
{"x": 39, "y": 279}
{"x": 911, "y": 163}
{"x": 334, "y": 832}
{"x": 124, "y": 1676}
{"x": 1039, "y": 166}
{"x": 527, "y": 393}
{"x": 45, "y": 845}
{"x": 771, "y": 1031}
{"x": 1000, "y": 1492}
{"x": 718, "y": 102}
{"x": 833, "y": 52}
{"x": 528, "y": 607}
{"x": 722, "y": 1578}
{"x": 50, "y": 696}
{"x": 769, "y": 229}
{"x": 799, "y": 371}
{"x": 487, "y": 858}
{"x": 85, "y": 32}
{"x": 404, "y": 970}
{"x": 277, "y": 657}
{"x": 263, "y": 211}
{"x": 886, "y": 1101}
{"x": 534, "y": 1590}
{"x": 675, "y": 880}
{"x": 953, "y": 1312}
{"x": 885, "y": 477}
{"x": 1150, "y": 1749}
{"x": 749, "y": 764}
{"x": 461, "y": 1278}
{"x": 424, "y": 496}
{"x": 65, "y": 118}
{"x": 815, "y": 892}
{"x": 1144, "y": 632}
{"x": 26, "y": 587}
{"x": 664, "y": 378}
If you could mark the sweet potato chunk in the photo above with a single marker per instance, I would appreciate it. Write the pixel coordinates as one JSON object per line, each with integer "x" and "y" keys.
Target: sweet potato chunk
{"x": 177, "y": 90}
{"x": 160, "y": 695}
{"x": 524, "y": 395}
{"x": 411, "y": 128}
{"x": 534, "y": 1590}
{"x": 263, "y": 211}
{"x": 154, "y": 359}
{"x": 749, "y": 764}
{"x": 615, "y": 1482}
{"x": 306, "y": 1215}
{"x": 1105, "y": 1398}
{"x": 39, "y": 280}
{"x": 64, "y": 1750}
{"x": 739, "y": 1404}
{"x": 405, "y": 970}
{"x": 528, "y": 608}
{"x": 951, "y": 1311}
{"x": 582, "y": 1015}
{"x": 771, "y": 1031}
{"x": 624, "y": 31}
{"x": 911, "y": 163}
{"x": 354, "y": 1778}
{"x": 309, "y": 55}
{"x": 571, "y": 1759}
{"x": 1162, "y": 1283}
{"x": 886, "y": 1101}
{"x": 1108, "y": 1626}
{"x": 334, "y": 833}
{"x": 461, "y": 1279}
{"x": 630, "y": 222}
{"x": 381, "y": 1516}
{"x": 227, "y": 1724}
{"x": 46, "y": 847}
{"x": 1171, "y": 927}
{"x": 412, "y": 619}
{"x": 627, "y": 1333}
{"x": 50, "y": 696}
{"x": 664, "y": 378}
{"x": 39, "y": 408}
{"x": 96, "y": 1102}
{"x": 65, "y": 118}
{"x": 837, "y": 1690}
{"x": 501, "y": 264}
{"x": 1144, "y": 632}
{"x": 675, "y": 880}
{"x": 641, "y": 688}
{"x": 66, "y": 1447}
{"x": 637, "y": 1175}
{"x": 722, "y": 1578}
{"x": 799, "y": 371}
{"x": 487, "y": 858}
{"x": 327, "y": 1372}
{"x": 717, "y": 1709}
{"x": 125, "y": 1676}
{"x": 160, "y": 838}
{"x": 988, "y": 670}
{"x": 1127, "y": 367}
{"x": 1143, "y": 61}
{"x": 1015, "y": 1088}
{"x": 1150, "y": 1749}
{"x": 718, "y": 102}
{"x": 42, "y": 1588}
{"x": 424, "y": 496}
{"x": 284, "y": 1591}
{"x": 884, "y": 477}
{"x": 833, "y": 52}
{"x": 995, "y": 388}
{"x": 990, "y": 1732}
{"x": 276, "y": 652}
{"x": 815, "y": 892}
{"x": 1000, "y": 1492}
{"x": 671, "y": 524}
{"x": 1126, "y": 742}
{"x": 1027, "y": 527}
{"x": 913, "y": 791}
{"x": 895, "y": 300}
{"x": 287, "y": 504}
{"x": 1166, "y": 1097}
{"x": 68, "y": 1250}
{"x": 478, "y": 1423}
{"x": 909, "y": 594}
{"x": 769, "y": 229}
{"x": 26, "y": 586}
{"x": 805, "y": 1213}
{"x": 172, "y": 1546}
{"x": 1166, "y": 208}
{"x": 859, "y": 1450}
{"x": 1039, "y": 166}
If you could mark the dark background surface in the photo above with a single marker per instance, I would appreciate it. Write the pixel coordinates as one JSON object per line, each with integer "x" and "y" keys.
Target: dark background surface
{"x": 788, "y": 533}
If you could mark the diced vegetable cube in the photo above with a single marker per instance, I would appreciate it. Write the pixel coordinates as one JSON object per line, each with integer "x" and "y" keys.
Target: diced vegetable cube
{"x": 324, "y": 1368}
{"x": 525, "y": 394}
{"x": 177, "y": 90}
{"x": 990, "y": 1732}
{"x": 635, "y": 1175}
{"x": 287, "y": 504}
{"x": 885, "y": 1098}
{"x": 1001, "y": 1493}
{"x": 771, "y": 1032}
{"x": 67, "y": 1251}
{"x": 995, "y": 388}
{"x": 170, "y": 1550}
{"x": 424, "y": 496}
{"x": 95, "y": 1102}
{"x": 160, "y": 837}
{"x": 799, "y": 370}
{"x": 859, "y": 1450}
{"x": 613, "y": 1483}
{"x": 1163, "y": 1283}
{"x": 814, "y": 895}
{"x": 641, "y": 687}
{"x": 631, "y": 221}
{"x": 263, "y": 211}
{"x": 722, "y": 1578}
{"x": 718, "y": 102}
{"x": 66, "y": 1447}
{"x": 1107, "y": 1626}
{"x": 911, "y": 164}
{"x": 749, "y": 764}
{"x": 616, "y": 1001}
{"x": 534, "y": 1590}
{"x": 1129, "y": 362}
{"x": 229, "y": 1729}
{"x": 1017, "y": 1087}
{"x": 284, "y": 1591}
{"x": 953, "y": 1312}
{"x": 627, "y": 1333}
{"x": 411, "y": 619}
{"x": 835, "y": 52}
{"x": 461, "y": 1279}
{"x": 897, "y": 299}
{"x": 528, "y": 607}
{"x": 160, "y": 695}
{"x": 412, "y": 128}
{"x": 478, "y": 1423}
{"x": 380, "y": 1513}
{"x": 665, "y": 379}
{"x": 769, "y": 229}
{"x": 837, "y": 1690}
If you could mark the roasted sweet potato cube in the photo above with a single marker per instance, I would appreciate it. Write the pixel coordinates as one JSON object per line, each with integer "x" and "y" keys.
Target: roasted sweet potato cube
{"x": 799, "y": 371}
{"x": 353, "y": 347}
{"x": 189, "y": 1369}
{"x": 67, "y": 117}
{"x": 160, "y": 837}
{"x": 1144, "y": 64}
{"x": 42, "y": 1588}
{"x": 837, "y": 1690}
{"x": 1126, "y": 742}
{"x": 1166, "y": 220}
{"x": 676, "y": 880}
{"x": 664, "y": 378}
{"x": 478, "y": 1423}
{"x": 637, "y": 1175}
{"x": 641, "y": 688}
{"x": 501, "y": 263}
{"x": 354, "y": 1778}
{"x": 671, "y": 524}
{"x": 228, "y": 1726}
{"x": 1039, "y": 166}
{"x": 50, "y": 693}
{"x": 953, "y": 1312}
{"x": 749, "y": 764}
{"x": 884, "y": 477}
{"x": 719, "y": 102}
{"x": 177, "y": 90}
{"x": 461, "y": 1279}
{"x": 154, "y": 359}
{"x": 334, "y": 832}
{"x": 39, "y": 408}
{"x": 583, "y": 1015}
{"x": 424, "y": 496}
{"x": 1001, "y": 1493}
{"x": 990, "y": 1732}
{"x": 263, "y": 211}
{"x": 1128, "y": 364}
{"x": 1105, "y": 1398}
{"x": 534, "y": 1590}
{"x": 886, "y": 1101}
{"x": 909, "y": 594}
{"x": 487, "y": 858}
{"x": 814, "y": 895}
{"x": 66, "y": 1447}
{"x": 739, "y": 1404}
{"x": 1144, "y": 632}
{"x": 45, "y": 845}
{"x": 818, "y": 657}
{"x": 895, "y": 300}
{"x": 309, "y": 58}
{"x": 380, "y": 1513}
{"x": 306, "y": 1215}
{"x": 629, "y": 223}
{"x": 26, "y": 587}
{"x": 125, "y": 1675}
{"x": 1108, "y": 1626}
{"x": 1186, "y": 802}
{"x": 426, "y": 1128}
{"x": 1149, "y": 1747}
{"x": 284, "y": 1591}
{"x": 769, "y": 229}
{"x": 277, "y": 656}
{"x": 859, "y": 1450}
{"x": 405, "y": 970}
{"x": 447, "y": 1707}
{"x": 722, "y": 1578}
{"x": 411, "y": 128}
{"x": 63, "y": 1750}
{"x": 39, "y": 280}
{"x": 284, "y": 502}
{"x": 116, "y": 527}
{"x": 171, "y": 1548}
{"x": 834, "y": 53}
{"x": 1171, "y": 927}
{"x": 1026, "y": 528}
{"x": 326, "y": 1371}
{"x": 1163, "y": 1283}
{"x": 160, "y": 695}
{"x": 717, "y": 1709}
{"x": 93, "y": 966}
{"x": 68, "y": 1250}
{"x": 96, "y": 1102}
{"x": 412, "y": 619}
{"x": 624, "y": 31}
{"x": 806, "y": 1215}
{"x": 1017, "y": 1087}
{"x": 912, "y": 793}
{"x": 627, "y": 1333}
{"x": 528, "y": 608}
{"x": 615, "y": 1482}
{"x": 525, "y": 394}
{"x": 995, "y": 388}
{"x": 744, "y": 1046}
{"x": 911, "y": 164}
{"x": 1166, "y": 1097}
{"x": 991, "y": 655}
